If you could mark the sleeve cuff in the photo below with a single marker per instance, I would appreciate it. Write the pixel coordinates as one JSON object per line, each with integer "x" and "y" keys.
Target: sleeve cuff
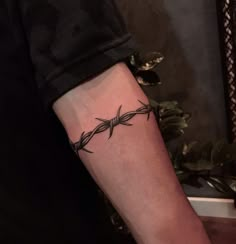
{"x": 80, "y": 71}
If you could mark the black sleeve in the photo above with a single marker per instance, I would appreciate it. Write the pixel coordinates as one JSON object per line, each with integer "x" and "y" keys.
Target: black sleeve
{"x": 71, "y": 41}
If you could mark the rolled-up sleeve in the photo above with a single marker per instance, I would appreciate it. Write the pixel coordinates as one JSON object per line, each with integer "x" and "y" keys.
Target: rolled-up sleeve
{"x": 71, "y": 41}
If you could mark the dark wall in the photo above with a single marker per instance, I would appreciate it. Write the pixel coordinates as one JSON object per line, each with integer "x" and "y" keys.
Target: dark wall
{"x": 185, "y": 31}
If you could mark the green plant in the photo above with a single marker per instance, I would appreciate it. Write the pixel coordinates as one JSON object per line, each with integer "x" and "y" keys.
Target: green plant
{"x": 193, "y": 161}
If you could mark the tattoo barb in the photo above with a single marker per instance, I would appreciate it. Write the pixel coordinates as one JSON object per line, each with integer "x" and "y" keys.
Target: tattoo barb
{"x": 110, "y": 124}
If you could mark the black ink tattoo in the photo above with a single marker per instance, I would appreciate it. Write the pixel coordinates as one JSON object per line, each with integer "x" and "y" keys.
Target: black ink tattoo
{"x": 110, "y": 124}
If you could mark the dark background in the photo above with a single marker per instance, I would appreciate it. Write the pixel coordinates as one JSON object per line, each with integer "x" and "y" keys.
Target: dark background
{"x": 186, "y": 33}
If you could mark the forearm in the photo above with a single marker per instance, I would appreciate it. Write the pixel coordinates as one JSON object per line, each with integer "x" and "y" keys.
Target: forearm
{"x": 132, "y": 167}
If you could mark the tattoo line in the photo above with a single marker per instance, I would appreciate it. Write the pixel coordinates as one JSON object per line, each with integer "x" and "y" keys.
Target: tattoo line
{"x": 109, "y": 124}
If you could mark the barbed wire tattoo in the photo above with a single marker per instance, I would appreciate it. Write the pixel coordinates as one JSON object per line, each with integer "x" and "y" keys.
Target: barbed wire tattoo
{"x": 109, "y": 124}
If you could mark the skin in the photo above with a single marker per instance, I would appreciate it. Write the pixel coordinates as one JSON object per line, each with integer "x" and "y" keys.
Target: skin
{"x": 132, "y": 167}
{"x": 110, "y": 125}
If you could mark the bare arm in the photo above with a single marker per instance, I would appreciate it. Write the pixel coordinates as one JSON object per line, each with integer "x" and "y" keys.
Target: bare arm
{"x": 132, "y": 167}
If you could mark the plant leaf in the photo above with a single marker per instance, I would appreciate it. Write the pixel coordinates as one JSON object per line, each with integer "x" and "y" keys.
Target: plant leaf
{"x": 153, "y": 103}
{"x": 200, "y": 165}
{"x": 219, "y": 184}
{"x": 171, "y": 112}
{"x": 150, "y": 61}
{"x": 173, "y": 126}
{"x": 147, "y": 78}
{"x": 231, "y": 181}
{"x": 199, "y": 151}
{"x": 169, "y": 105}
